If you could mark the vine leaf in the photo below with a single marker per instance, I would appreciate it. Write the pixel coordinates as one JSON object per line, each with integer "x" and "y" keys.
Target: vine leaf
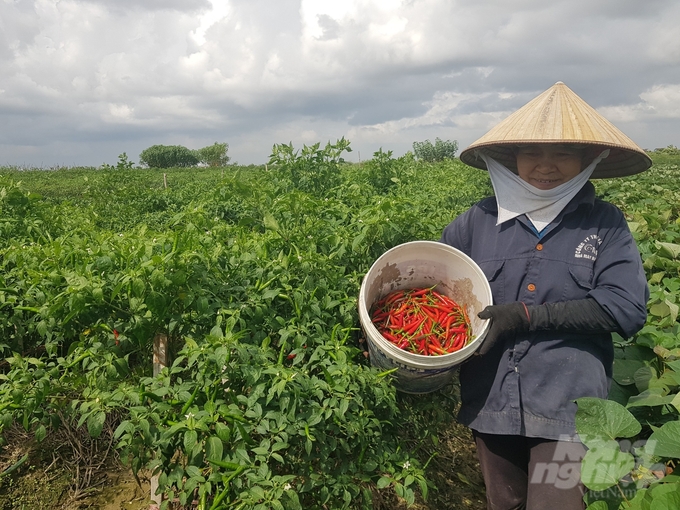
{"x": 665, "y": 441}
{"x": 604, "y": 466}
{"x": 598, "y": 422}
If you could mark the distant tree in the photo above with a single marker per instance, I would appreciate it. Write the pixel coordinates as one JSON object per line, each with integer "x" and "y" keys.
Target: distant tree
{"x": 214, "y": 155}
{"x": 440, "y": 151}
{"x": 168, "y": 156}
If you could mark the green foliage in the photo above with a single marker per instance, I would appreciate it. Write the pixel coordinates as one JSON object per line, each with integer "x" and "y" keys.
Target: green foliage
{"x": 441, "y": 150}
{"x": 670, "y": 150}
{"x": 383, "y": 172}
{"x": 253, "y": 277}
{"x": 242, "y": 414}
{"x": 314, "y": 170}
{"x": 123, "y": 163}
{"x": 168, "y": 156}
{"x": 213, "y": 155}
{"x": 632, "y": 438}
{"x": 254, "y": 281}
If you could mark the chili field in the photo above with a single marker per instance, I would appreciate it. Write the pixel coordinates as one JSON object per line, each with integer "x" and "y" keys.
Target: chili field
{"x": 251, "y": 275}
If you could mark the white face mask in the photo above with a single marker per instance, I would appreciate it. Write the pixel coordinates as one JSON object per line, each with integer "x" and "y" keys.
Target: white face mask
{"x": 515, "y": 196}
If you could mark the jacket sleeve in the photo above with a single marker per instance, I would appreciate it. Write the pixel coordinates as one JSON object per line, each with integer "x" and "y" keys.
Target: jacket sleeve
{"x": 577, "y": 315}
{"x": 619, "y": 281}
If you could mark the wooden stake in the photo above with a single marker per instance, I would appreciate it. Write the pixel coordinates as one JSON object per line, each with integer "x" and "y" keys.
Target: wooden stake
{"x": 160, "y": 353}
{"x": 165, "y": 181}
{"x": 160, "y": 361}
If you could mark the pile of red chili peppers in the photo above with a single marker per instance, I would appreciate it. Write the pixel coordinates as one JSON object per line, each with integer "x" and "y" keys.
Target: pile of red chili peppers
{"x": 422, "y": 321}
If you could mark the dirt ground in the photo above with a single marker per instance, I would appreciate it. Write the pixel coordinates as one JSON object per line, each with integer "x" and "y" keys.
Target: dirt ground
{"x": 66, "y": 472}
{"x": 46, "y": 480}
{"x": 37, "y": 490}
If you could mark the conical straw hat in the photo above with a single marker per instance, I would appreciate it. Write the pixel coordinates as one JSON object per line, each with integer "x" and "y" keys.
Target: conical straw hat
{"x": 558, "y": 115}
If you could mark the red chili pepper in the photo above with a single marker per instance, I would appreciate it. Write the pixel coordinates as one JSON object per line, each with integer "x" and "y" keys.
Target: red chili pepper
{"x": 459, "y": 341}
{"x": 389, "y": 336}
{"x": 422, "y": 321}
{"x": 413, "y": 326}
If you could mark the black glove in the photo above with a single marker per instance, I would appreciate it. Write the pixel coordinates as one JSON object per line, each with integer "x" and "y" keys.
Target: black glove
{"x": 506, "y": 321}
{"x": 580, "y": 315}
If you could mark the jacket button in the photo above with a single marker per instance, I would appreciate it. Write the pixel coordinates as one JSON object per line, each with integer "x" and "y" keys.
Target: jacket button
{"x": 531, "y": 287}
{"x": 539, "y": 247}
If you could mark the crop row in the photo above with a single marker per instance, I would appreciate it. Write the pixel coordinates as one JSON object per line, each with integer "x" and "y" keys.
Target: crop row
{"x": 252, "y": 276}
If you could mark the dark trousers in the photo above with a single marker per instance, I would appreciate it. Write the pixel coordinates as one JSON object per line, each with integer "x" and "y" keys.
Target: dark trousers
{"x": 528, "y": 473}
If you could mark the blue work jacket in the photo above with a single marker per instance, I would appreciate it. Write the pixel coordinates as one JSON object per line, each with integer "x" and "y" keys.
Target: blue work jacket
{"x": 527, "y": 386}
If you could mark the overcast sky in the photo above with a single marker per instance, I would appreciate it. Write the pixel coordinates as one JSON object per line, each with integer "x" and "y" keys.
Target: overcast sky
{"x": 82, "y": 81}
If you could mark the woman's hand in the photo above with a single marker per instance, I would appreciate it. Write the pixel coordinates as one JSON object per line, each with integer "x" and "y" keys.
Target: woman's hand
{"x": 506, "y": 321}
{"x": 584, "y": 316}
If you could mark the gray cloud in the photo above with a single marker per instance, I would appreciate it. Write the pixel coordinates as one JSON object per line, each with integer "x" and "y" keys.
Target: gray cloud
{"x": 82, "y": 81}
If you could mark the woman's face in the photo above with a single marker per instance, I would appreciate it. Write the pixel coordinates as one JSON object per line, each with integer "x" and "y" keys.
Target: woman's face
{"x": 546, "y": 166}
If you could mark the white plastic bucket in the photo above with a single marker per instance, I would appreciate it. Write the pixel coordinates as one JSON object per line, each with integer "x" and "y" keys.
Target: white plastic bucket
{"x": 422, "y": 264}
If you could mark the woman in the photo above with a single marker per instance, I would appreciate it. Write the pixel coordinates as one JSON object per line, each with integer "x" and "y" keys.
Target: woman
{"x": 565, "y": 273}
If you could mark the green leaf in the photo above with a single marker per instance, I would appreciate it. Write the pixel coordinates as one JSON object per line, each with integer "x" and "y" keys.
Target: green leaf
{"x": 279, "y": 446}
{"x": 168, "y": 433}
{"x": 155, "y": 301}
{"x": 660, "y": 309}
{"x": 604, "y": 466}
{"x": 271, "y": 223}
{"x": 370, "y": 465}
{"x": 121, "y": 429}
{"x": 214, "y": 448}
{"x": 193, "y": 471}
{"x": 270, "y": 294}
{"x": 666, "y": 501}
{"x": 40, "y": 433}
{"x": 665, "y": 441}
{"x": 651, "y": 397}
{"x": 599, "y": 421}
{"x": 621, "y": 394}
{"x": 624, "y": 370}
{"x": 669, "y": 250}
{"x": 190, "y": 439}
{"x": 598, "y": 505}
{"x": 423, "y": 487}
{"x": 257, "y": 491}
{"x": 98, "y": 294}
{"x": 673, "y": 309}
{"x": 138, "y": 287}
{"x": 645, "y": 378}
{"x": 383, "y": 482}
{"x": 95, "y": 423}
{"x": 223, "y": 431}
